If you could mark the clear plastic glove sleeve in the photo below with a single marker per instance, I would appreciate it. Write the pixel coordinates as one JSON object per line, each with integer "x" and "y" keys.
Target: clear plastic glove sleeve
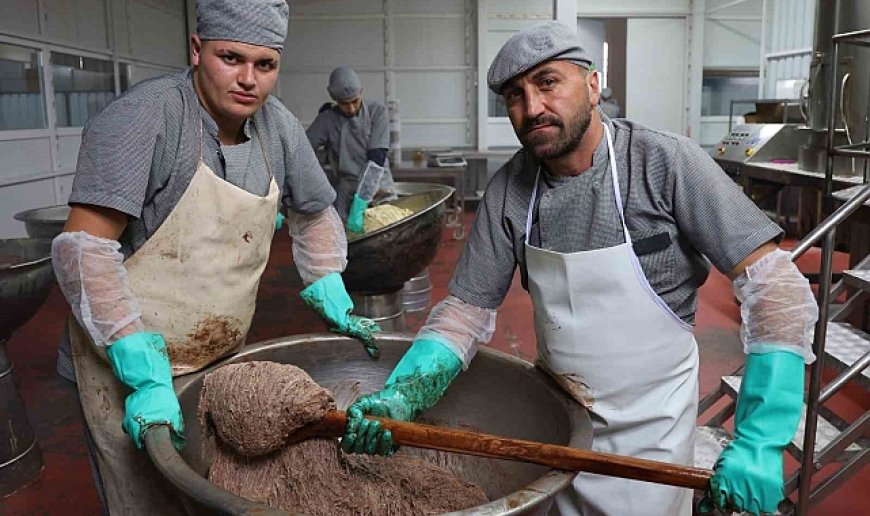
{"x": 319, "y": 244}
{"x": 778, "y": 309}
{"x": 91, "y": 274}
{"x": 370, "y": 181}
{"x": 459, "y": 326}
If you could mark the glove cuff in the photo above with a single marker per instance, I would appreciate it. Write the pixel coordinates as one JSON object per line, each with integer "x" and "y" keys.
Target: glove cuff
{"x": 140, "y": 359}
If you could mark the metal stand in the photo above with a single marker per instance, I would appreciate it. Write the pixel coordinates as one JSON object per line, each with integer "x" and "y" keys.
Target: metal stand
{"x": 385, "y": 309}
{"x": 20, "y": 456}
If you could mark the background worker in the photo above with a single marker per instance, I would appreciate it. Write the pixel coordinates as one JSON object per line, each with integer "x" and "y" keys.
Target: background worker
{"x": 356, "y": 136}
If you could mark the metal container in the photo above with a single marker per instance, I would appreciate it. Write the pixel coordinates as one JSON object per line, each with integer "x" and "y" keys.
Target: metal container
{"x": 45, "y": 222}
{"x": 384, "y": 309}
{"x": 25, "y": 281}
{"x": 417, "y": 293}
{"x": 383, "y": 260}
{"x": 499, "y": 394}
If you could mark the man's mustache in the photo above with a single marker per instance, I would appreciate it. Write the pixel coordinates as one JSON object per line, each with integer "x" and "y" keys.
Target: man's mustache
{"x": 545, "y": 119}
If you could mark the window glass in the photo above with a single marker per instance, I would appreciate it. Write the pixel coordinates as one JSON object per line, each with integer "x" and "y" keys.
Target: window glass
{"x": 83, "y": 86}
{"x": 22, "y": 102}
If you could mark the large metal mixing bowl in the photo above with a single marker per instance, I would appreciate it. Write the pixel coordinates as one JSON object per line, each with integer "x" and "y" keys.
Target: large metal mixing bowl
{"x": 499, "y": 394}
{"x": 25, "y": 281}
{"x": 383, "y": 260}
{"x": 44, "y": 222}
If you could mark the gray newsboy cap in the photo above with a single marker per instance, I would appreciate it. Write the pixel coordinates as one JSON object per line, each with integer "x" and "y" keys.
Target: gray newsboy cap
{"x": 532, "y": 46}
{"x": 343, "y": 84}
{"x": 258, "y": 22}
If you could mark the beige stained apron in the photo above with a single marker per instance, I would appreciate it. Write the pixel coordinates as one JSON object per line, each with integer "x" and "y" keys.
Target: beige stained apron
{"x": 196, "y": 281}
{"x": 617, "y": 348}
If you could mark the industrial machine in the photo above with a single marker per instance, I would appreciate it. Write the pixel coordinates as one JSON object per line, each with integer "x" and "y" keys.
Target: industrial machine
{"x": 776, "y": 143}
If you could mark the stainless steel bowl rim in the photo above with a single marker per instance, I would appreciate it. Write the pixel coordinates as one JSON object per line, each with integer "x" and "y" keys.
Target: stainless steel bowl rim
{"x": 446, "y": 191}
{"x": 170, "y": 463}
{"x": 39, "y": 213}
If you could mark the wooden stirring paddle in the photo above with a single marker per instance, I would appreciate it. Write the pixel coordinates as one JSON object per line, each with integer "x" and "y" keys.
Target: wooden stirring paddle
{"x": 485, "y": 445}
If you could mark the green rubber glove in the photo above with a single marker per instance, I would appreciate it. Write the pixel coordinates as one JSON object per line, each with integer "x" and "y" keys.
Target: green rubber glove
{"x": 141, "y": 362}
{"x": 356, "y": 217}
{"x": 328, "y": 297}
{"x": 416, "y": 384}
{"x": 748, "y": 474}
{"x": 279, "y": 220}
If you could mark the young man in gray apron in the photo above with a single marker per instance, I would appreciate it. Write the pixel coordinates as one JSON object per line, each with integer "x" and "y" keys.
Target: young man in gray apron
{"x": 355, "y": 133}
{"x": 173, "y": 211}
{"x": 612, "y": 225}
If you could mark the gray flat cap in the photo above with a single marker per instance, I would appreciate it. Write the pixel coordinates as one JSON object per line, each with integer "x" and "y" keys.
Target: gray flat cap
{"x": 343, "y": 84}
{"x": 257, "y": 22}
{"x": 532, "y": 46}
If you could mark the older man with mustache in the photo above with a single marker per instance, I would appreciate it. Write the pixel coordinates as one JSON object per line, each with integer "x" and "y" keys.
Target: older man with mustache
{"x": 613, "y": 226}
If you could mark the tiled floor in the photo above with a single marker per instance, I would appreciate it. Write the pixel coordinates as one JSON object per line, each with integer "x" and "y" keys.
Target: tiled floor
{"x": 65, "y": 486}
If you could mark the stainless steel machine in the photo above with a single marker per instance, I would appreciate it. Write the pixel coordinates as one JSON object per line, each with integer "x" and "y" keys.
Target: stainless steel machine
{"x": 757, "y": 143}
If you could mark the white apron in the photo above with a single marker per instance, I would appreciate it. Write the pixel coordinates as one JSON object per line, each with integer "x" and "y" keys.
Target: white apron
{"x": 196, "y": 281}
{"x": 608, "y": 339}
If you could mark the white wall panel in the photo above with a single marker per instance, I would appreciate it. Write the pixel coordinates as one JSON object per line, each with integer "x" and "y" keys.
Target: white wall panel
{"x": 20, "y": 197}
{"x": 656, "y": 73}
{"x": 429, "y": 41}
{"x": 156, "y": 34}
{"x": 68, "y": 152}
{"x": 327, "y": 43}
{"x": 732, "y": 43}
{"x": 632, "y": 7}
{"x": 428, "y": 6}
{"x": 19, "y": 16}
{"x": 790, "y": 25}
{"x": 519, "y": 8}
{"x": 27, "y": 157}
{"x": 434, "y": 135}
{"x": 81, "y": 22}
{"x": 431, "y": 95}
{"x": 335, "y": 7}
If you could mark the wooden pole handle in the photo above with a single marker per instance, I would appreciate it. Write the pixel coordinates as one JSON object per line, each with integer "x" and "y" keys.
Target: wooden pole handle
{"x": 560, "y": 457}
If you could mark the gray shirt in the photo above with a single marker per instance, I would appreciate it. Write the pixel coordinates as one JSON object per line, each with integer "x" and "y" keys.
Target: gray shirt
{"x": 139, "y": 155}
{"x": 681, "y": 209}
{"x": 371, "y": 124}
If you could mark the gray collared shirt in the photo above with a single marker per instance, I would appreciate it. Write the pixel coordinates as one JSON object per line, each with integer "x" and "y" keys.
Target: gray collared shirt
{"x": 681, "y": 210}
{"x": 139, "y": 155}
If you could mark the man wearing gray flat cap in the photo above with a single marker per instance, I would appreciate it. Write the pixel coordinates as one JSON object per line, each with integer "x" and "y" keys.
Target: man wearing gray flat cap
{"x": 613, "y": 226}
{"x": 174, "y": 208}
{"x": 355, "y": 134}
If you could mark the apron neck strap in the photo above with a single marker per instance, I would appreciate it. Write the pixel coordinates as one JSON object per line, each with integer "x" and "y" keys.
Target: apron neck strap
{"x": 614, "y": 176}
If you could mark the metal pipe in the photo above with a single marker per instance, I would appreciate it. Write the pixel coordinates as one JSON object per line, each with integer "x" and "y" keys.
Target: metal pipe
{"x": 808, "y": 462}
{"x": 848, "y": 436}
{"x": 844, "y": 377}
{"x": 855, "y": 34}
{"x": 829, "y": 223}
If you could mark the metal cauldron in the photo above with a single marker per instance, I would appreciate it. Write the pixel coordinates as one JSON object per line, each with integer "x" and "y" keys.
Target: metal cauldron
{"x": 45, "y": 222}
{"x": 25, "y": 281}
{"x": 382, "y": 261}
{"x": 499, "y": 394}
